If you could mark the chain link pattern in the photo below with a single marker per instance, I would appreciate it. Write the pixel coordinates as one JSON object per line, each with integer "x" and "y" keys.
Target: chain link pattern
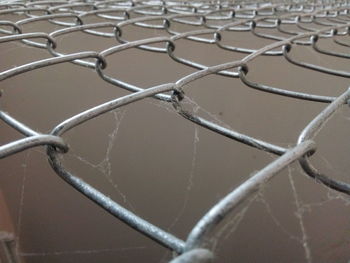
{"x": 332, "y": 18}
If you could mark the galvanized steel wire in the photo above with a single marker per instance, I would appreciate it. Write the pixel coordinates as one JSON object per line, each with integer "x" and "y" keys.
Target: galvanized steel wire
{"x": 332, "y": 17}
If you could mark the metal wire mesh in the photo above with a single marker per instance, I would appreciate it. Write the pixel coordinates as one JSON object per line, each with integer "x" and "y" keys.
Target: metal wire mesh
{"x": 211, "y": 22}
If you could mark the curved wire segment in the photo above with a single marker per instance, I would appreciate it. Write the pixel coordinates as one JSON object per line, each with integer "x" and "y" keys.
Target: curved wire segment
{"x": 314, "y": 40}
{"x": 19, "y": 126}
{"x": 292, "y": 94}
{"x": 286, "y": 50}
{"x": 30, "y": 142}
{"x": 132, "y": 220}
{"x": 26, "y": 36}
{"x": 198, "y": 255}
{"x": 51, "y": 61}
{"x": 311, "y": 131}
{"x": 199, "y": 234}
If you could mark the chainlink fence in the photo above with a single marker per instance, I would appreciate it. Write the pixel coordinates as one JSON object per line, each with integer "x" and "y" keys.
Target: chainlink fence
{"x": 281, "y": 28}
